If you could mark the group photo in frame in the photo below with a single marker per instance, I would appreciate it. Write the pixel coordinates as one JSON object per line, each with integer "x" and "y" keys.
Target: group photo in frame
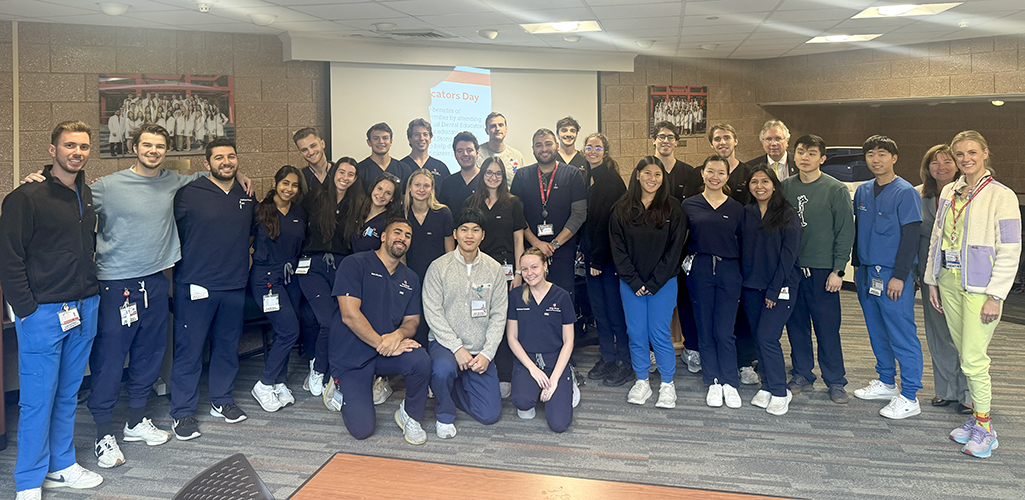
{"x": 683, "y": 106}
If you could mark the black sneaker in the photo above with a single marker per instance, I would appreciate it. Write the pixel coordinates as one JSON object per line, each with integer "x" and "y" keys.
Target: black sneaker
{"x": 798, "y": 383}
{"x": 601, "y": 369}
{"x": 838, "y": 394}
{"x": 229, "y": 412}
{"x": 186, "y": 428}
{"x": 620, "y": 374}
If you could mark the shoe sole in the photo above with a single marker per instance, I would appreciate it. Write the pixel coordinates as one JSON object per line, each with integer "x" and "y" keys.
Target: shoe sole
{"x": 982, "y": 454}
{"x": 840, "y": 401}
{"x": 187, "y": 438}
{"x": 877, "y": 397}
{"x": 733, "y": 407}
{"x": 616, "y": 383}
{"x": 398, "y": 420}
{"x": 667, "y": 406}
{"x": 119, "y": 462}
{"x": 50, "y": 484}
{"x": 959, "y": 441}
{"x": 901, "y": 416}
{"x": 215, "y": 413}
{"x": 253, "y": 392}
{"x": 148, "y": 443}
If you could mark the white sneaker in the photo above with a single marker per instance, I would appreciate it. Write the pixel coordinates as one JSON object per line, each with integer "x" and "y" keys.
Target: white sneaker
{"x": 284, "y": 395}
{"x": 314, "y": 382}
{"x": 33, "y": 494}
{"x": 306, "y": 381}
{"x": 332, "y": 397}
{"x": 761, "y": 398}
{"x": 901, "y": 407}
{"x": 748, "y": 376}
{"x": 693, "y": 360}
{"x": 666, "y": 395}
{"x": 576, "y": 388}
{"x": 714, "y": 396}
{"x": 731, "y": 396}
{"x": 779, "y": 405}
{"x": 526, "y": 414}
{"x": 76, "y": 477}
{"x": 877, "y": 390}
{"x": 639, "y": 393}
{"x": 505, "y": 389}
{"x": 108, "y": 453}
{"x": 146, "y": 431}
{"x": 654, "y": 367}
{"x": 382, "y": 390}
{"x": 411, "y": 429}
{"x": 445, "y": 431}
{"x": 264, "y": 395}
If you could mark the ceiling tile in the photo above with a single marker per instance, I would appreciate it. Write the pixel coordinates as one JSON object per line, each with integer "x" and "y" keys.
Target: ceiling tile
{"x": 348, "y": 11}
{"x": 432, "y": 7}
{"x": 630, "y": 11}
{"x": 720, "y": 7}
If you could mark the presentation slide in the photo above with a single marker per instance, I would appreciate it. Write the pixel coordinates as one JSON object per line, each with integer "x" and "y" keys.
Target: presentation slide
{"x": 454, "y": 99}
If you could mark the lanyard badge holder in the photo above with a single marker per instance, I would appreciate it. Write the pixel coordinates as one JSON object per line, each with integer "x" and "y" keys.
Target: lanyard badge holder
{"x": 129, "y": 311}
{"x": 479, "y": 305}
{"x": 270, "y": 301}
{"x": 507, "y": 268}
{"x": 877, "y": 285}
{"x": 304, "y": 265}
{"x": 68, "y": 317}
{"x": 545, "y": 229}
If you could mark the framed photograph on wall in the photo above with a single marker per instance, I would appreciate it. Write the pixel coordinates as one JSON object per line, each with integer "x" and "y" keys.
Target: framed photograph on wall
{"x": 194, "y": 109}
{"x": 684, "y": 106}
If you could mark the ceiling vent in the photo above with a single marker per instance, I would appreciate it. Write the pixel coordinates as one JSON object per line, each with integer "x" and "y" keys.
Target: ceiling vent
{"x": 429, "y": 34}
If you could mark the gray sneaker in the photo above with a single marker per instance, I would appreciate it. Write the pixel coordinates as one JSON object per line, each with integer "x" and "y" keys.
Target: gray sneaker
{"x": 798, "y": 383}
{"x": 963, "y": 434}
{"x": 411, "y": 429}
{"x": 693, "y": 360}
{"x": 982, "y": 443}
{"x": 838, "y": 394}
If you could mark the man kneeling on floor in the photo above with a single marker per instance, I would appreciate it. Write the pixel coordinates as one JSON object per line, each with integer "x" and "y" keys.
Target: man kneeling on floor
{"x": 465, "y": 302}
{"x": 379, "y": 300}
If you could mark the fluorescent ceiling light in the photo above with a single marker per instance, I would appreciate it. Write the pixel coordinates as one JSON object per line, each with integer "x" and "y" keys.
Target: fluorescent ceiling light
{"x": 904, "y": 10}
{"x": 562, "y": 27}
{"x": 843, "y": 38}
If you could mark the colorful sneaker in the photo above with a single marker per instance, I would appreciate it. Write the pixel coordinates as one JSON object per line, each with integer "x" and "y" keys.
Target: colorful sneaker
{"x": 731, "y": 396}
{"x": 693, "y": 360}
{"x": 146, "y": 431}
{"x": 526, "y": 414}
{"x": 332, "y": 397}
{"x": 230, "y": 413}
{"x": 76, "y": 477}
{"x": 761, "y": 398}
{"x": 963, "y": 434}
{"x": 32, "y": 494}
{"x": 877, "y": 390}
{"x": 284, "y": 395}
{"x": 639, "y": 393}
{"x": 382, "y": 390}
{"x": 666, "y": 395}
{"x": 982, "y": 443}
{"x": 748, "y": 376}
{"x": 901, "y": 407}
{"x": 411, "y": 429}
{"x": 264, "y": 395}
{"x": 445, "y": 431}
{"x": 186, "y": 428}
{"x": 108, "y": 453}
{"x": 714, "y": 396}
{"x": 779, "y": 405}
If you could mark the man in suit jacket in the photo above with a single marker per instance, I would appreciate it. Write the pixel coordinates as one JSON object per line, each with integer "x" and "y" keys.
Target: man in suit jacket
{"x": 775, "y": 138}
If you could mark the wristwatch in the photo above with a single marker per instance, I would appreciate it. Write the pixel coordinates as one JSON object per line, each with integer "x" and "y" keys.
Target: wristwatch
{"x": 840, "y": 273}
{"x": 555, "y": 243}
{"x": 994, "y": 297}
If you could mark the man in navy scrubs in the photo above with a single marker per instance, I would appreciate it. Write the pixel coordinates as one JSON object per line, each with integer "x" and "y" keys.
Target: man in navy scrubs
{"x": 379, "y": 138}
{"x": 214, "y": 216}
{"x": 456, "y": 188}
{"x": 420, "y": 135}
{"x": 311, "y": 146}
{"x": 379, "y": 300}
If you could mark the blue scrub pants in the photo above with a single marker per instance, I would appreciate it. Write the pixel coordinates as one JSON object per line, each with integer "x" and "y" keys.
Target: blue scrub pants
{"x": 218, "y": 318}
{"x": 284, "y": 321}
{"x": 560, "y": 267}
{"x": 714, "y": 285}
{"x": 649, "y": 322}
{"x": 815, "y": 304}
{"x": 309, "y": 329}
{"x": 607, "y": 307}
{"x": 767, "y": 325}
{"x": 358, "y": 395}
{"x": 144, "y": 342}
{"x": 316, "y": 285}
{"x": 51, "y": 364}
{"x": 685, "y": 313}
{"x": 475, "y": 393}
{"x": 891, "y": 330}
{"x": 525, "y": 391}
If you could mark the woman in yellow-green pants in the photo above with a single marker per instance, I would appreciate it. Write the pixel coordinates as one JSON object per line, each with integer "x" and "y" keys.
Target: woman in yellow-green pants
{"x": 973, "y": 258}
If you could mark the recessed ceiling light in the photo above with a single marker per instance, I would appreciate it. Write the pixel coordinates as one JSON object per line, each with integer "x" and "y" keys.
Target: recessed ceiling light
{"x": 262, "y": 19}
{"x": 489, "y": 34}
{"x": 997, "y": 102}
{"x": 113, "y": 8}
{"x": 926, "y": 9}
{"x": 708, "y": 46}
{"x": 572, "y": 38}
{"x": 561, "y": 27}
{"x": 645, "y": 44}
{"x": 962, "y": 23}
{"x": 384, "y": 26}
{"x": 843, "y": 38}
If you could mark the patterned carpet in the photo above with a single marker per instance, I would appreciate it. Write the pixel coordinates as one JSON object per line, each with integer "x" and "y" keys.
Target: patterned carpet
{"x": 818, "y": 450}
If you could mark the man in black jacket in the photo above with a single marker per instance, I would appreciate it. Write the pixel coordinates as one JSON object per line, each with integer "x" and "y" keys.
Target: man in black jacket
{"x": 47, "y": 265}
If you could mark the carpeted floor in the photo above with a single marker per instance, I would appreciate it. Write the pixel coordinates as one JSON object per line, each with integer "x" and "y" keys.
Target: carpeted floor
{"x": 818, "y": 450}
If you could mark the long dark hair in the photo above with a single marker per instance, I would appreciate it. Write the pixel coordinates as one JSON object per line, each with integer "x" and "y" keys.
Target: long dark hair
{"x": 779, "y": 213}
{"x": 393, "y": 208}
{"x": 326, "y": 203}
{"x": 629, "y": 206}
{"x": 480, "y": 193}
{"x": 267, "y": 211}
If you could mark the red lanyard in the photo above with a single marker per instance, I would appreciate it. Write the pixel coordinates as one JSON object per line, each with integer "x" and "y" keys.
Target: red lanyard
{"x": 957, "y": 213}
{"x": 541, "y": 186}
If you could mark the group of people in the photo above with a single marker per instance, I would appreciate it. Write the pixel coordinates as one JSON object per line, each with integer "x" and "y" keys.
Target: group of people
{"x": 463, "y": 282}
{"x": 688, "y": 114}
{"x": 191, "y": 121}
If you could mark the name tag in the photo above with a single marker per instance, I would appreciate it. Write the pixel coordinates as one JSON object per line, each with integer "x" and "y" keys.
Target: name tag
{"x": 951, "y": 259}
{"x": 478, "y": 308}
{"x": 197, "y": 292}
{"x": 688, "y": 262}
{"x": 69, "y": 318}
{"x": 784, "y": 293}
{"x": 508, "y": 270}
{"x": 129, "y": 313}
{"x": 270, "y": 303}
{"x": 545, "y": 230}
{"x": 304, "y": 266}
{"x": 877, "y": 287}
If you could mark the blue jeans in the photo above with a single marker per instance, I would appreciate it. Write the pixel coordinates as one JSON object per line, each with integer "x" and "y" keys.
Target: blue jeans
{"x": 648, "y": 322}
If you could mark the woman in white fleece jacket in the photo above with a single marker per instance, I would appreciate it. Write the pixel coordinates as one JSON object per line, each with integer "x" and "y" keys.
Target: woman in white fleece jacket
{"x": 973, "y": 258}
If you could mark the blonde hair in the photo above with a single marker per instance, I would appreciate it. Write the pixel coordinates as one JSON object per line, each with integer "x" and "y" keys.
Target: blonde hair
{"x": 971, "y": 135}
{"x": 432, "y": 202}
{"x": 536, "y": 252}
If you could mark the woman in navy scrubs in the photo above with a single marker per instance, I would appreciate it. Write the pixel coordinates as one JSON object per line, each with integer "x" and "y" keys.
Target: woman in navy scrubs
{"x": 384, "y": 202}
{"x": 646, "y": 234}
{"x": 432, "y": 231}
{"x": 714, "y": 280}
{"x": 503, "y": 241}
{"x": 332, "y": 224}
{"x": 771, "y": 241}
{"x": 543, "y": 346}
{"x": 279, "y": 230}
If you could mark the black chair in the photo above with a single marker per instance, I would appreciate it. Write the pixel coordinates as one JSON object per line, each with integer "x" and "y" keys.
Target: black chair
{"x": 230, "y": 479}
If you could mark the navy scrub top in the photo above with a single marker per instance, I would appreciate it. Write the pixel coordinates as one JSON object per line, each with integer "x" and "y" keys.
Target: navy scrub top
{"x": 499, "y": 226}
{"x": 428, "y": 242}
{"x": 453, "y": 192}
{"x": 714, "y": 231}
{"x": 540, "y": 325}
{"x": 270, "y": 256}
{"x": 436, "y": 166}
{"x": 769, "y": 260}
{"x": 567, "y": 186}
{"x": 369, "y": 237}
{"x": 214, "y": 229}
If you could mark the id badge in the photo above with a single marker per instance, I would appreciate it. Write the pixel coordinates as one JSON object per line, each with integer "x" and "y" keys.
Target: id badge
{"x": 877, "y": 287}
{"x": 304, "y": 266}
{"x": 784, "y": 293}
{"x": 688, "y": 261}
{"x": 953, "y": 260}
{"x": 545, "y": 230}
{"x": 129, "y": 313}
{"x": 69, "y": 318}
{"x": 478, "y": 308}
{"x": 508, "y": 270}
{"x": 270, "y": 303}
{"x": 197, "y": 292}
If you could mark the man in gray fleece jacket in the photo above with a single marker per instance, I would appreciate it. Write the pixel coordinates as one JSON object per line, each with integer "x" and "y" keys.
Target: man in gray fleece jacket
{"x": 465, "y": 302}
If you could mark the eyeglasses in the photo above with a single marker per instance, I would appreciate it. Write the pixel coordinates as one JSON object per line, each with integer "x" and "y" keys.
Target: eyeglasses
{"x": 772, "y": 140}
{"x": 493, "y": 175}
{"x": 665, "y": 137}
{"x": 596, "y": 149}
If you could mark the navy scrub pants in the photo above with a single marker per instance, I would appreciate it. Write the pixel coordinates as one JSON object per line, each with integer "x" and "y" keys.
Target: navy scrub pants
{"x": 316, "y": 285}
{"x": 685, "y": 313}
{"x": 767, "y": 325}
{"x": 714, "y": 285}
{"x": 144, "y": 342}
{"x": 309, "y": 329}
{"x": 356, "y": 385}
{"x": 560, "y": 266}
{"x": 284, "y": 321}
{"x": 51, "y": 364}
{"x": 526, "y": 392}
{"x": 891, "y": 330}
{"x": 475, "y": 393}
{"x": 218, "y": 318}
{"x": 815, "y": 305}
{"x": 607, "y": 307}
